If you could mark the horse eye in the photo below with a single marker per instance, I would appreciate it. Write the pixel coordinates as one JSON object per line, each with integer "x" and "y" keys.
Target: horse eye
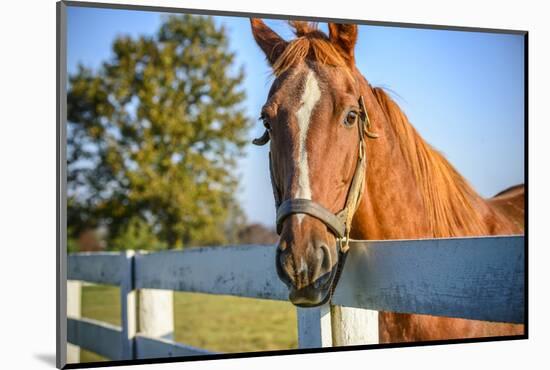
{"x": 351, "y": 118}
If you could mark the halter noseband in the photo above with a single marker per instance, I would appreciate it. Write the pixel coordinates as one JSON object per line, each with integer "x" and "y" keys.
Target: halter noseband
{"x": 339, "y": 223}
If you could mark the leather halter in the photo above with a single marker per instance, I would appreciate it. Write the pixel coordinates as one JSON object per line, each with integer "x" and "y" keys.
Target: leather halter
{"x": 339, "y": 223}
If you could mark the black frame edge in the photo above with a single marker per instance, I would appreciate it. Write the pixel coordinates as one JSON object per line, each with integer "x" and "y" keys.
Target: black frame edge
{"x": 61, "y": 198}
{"x": 526, "y": 179}
{"x": 225, "y": 356}
{"x": 165, "y": 9}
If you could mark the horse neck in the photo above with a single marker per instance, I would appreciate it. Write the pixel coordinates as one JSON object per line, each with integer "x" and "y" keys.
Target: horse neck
{"x": 403, "y": 201}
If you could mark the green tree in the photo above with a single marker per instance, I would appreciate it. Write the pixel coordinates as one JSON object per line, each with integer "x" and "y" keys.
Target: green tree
{"x": 153, "y": 137}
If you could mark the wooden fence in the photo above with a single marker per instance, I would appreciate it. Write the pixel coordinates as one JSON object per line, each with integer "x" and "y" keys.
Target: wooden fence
{"x": 472, "y": 278}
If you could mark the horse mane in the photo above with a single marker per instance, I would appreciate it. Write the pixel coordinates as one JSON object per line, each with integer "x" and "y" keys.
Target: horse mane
{"x": 449, "y": 200}
{"x": 310, "y": 44}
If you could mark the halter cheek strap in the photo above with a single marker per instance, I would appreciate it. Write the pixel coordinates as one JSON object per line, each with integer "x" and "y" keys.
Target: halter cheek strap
{"x": 339, "y": 223}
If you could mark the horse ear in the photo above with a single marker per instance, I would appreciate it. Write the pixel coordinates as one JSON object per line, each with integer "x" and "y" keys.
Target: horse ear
{"x": 271, "y": 43}
{"x": 344, "y": 36}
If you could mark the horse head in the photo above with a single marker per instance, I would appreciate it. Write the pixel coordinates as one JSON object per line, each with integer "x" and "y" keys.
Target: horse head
{"x": 316, "y": 120}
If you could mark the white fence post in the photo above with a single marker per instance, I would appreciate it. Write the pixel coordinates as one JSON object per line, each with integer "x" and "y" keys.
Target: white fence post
{"x": 128, "y": 306}
{"x": 156, "y": 313}
{"x": 74, "y": 291}
{"x": 155, "y": 317}
{"x": 314, "y": 327}
{"x": 354, "y": 326}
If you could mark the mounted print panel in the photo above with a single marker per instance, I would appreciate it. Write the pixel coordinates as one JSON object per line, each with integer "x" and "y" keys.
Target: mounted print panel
{"x": 240, "y": 184}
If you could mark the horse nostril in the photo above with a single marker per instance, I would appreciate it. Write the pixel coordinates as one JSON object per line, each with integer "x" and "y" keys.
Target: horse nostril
{"x": 281, "y": 257}
{"x": 280, "y": 264}
{"x": 326, "y": 264}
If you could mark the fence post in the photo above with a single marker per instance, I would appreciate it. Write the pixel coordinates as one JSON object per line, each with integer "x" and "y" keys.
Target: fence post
{"x": 74, "y": 294}
{"x": 314, "y": 327}
{"x": 354, "y": 326}
{"x": 128, "y": 306}
{"x": 156, "y": 313}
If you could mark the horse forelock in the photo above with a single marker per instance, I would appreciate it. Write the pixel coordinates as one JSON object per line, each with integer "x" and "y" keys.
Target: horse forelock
{"x": 310, "y": 45}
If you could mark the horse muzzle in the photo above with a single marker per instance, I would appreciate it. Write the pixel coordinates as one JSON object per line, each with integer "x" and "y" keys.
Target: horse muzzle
{"x": 315, "y": 294}
{"x": 313, "y": 286}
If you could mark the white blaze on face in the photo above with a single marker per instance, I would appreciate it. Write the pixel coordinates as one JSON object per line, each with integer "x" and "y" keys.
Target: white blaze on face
{"x": 310, "y": 97}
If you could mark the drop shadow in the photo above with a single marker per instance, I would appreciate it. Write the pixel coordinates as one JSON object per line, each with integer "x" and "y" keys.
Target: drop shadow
{"x": 47, "y": 358}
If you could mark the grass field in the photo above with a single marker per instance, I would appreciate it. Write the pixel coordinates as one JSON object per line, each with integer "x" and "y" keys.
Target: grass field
{"x": 217, "y": 323}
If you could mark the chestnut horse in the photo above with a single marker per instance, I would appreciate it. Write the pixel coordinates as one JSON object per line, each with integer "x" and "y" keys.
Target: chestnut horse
{"x": 331, "y": 130}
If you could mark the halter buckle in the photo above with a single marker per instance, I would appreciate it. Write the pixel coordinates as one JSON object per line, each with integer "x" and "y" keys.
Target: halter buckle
{"x": 344, "y": 242}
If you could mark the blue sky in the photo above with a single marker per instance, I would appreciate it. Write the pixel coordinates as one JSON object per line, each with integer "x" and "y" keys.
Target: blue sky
{"x": 463, "y": 91}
